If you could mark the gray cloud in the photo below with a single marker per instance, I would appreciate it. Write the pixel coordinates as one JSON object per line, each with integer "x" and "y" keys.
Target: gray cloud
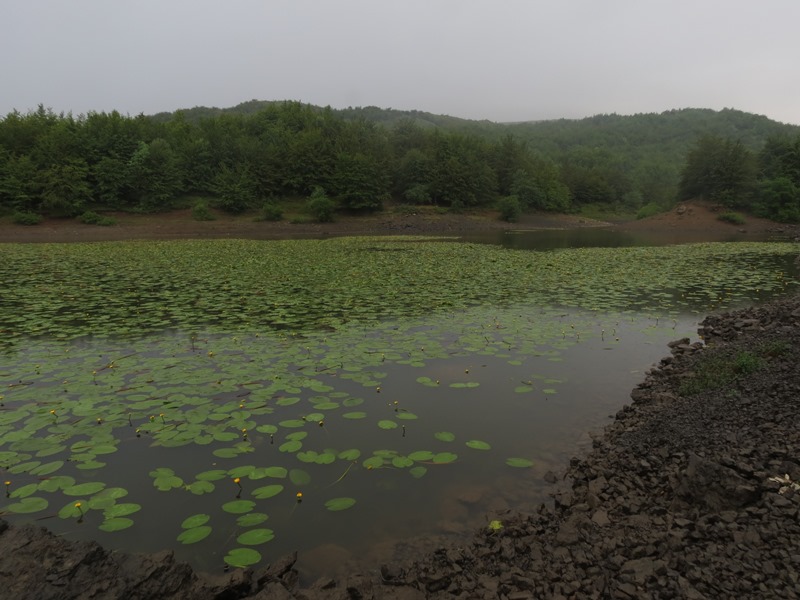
{"x": 503, "y": 60}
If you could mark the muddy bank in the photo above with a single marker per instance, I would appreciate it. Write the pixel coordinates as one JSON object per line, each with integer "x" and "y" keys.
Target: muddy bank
{"x": 689, "y": 493}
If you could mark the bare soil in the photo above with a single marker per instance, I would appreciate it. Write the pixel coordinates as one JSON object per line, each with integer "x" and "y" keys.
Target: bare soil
{"x": 693, "y": 220}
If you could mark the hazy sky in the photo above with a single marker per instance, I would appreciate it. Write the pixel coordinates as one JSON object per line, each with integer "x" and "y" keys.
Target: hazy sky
{"x": 502, "y": 60}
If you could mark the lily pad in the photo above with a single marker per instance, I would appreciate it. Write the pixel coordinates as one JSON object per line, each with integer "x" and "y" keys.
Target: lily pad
{"x": 242, "y": 557}
{"x": 116, "y": 524}
{"x": 255, "y": 537}
{"x": 237, "y": 507}
{"x": 31, "y": 504}
{"x": 194, "y": 534}
{"x": 336, "y": 504}
{"x": 478, "y": 445}
{"x": 519, "y": 462}
{"x": 195, "y": 521}
{"x": 267, "y": 491}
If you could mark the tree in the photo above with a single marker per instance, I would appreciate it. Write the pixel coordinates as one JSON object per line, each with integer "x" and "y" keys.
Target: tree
{"x": 720, "y": 170}
{"x": 154, "y": 178}
{"x": 359, "y": 182}
{"x": 237, "y": 189}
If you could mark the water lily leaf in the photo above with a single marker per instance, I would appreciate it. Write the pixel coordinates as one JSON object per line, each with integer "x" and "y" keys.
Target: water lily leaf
{"x": 519, "y": 462}
{"x": 165, "y": 483}
{"x": 465, "y": 384}
{"x": 84, "y": 489}
{"x": 194, "y": 534}
{"x": 255, "y": 537}
{"x": 352, "y": 454}
{"x": 213, "y": 475}
{"x": 418, "y": 471}
{"x": 407, "y": 416}
{"x": 267, "y": 491}
{"x": 122, "y": 510}
{"x": 243, "y": 471}
{"x": 387, "y": 424}
{"x": 292, "y": 423}
{"x": 47, "y": 468}
{"x": 53, "y": 484}
{"x": 25, "y": 491}
{"x": 355, "y": 415}
{"x": 251, "y": 519}
{"x": 90, "y": 465}
{"x": 421, "y": 455}
{"x": 198, "y": 488}
{"x": 325, "y": 458}
{"x": 276, "y": 472}
{"x": 478, "y": 445}
{"x": 299, "y": 477}
{"x": 71, "y": 511}
{"x": 373, "y": 462}
{"x": 443, "y": 458}
{"x": 226, "y": 452}
{"x": 116, "y": 524}
{"x": 242, "y": 557}
{"x": 27, "y": 505}
{"x": 195, "y": 521}
{"x": 238, "y": 507}
{"x": 401, "y": 462}
{"x": 290, "y": 446}
{"x": 336, "y": 504}
{"x": 444, "y": 436}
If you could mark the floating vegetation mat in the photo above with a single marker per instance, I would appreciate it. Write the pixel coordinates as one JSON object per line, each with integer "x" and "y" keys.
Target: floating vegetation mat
{"x": 220, "y": 394}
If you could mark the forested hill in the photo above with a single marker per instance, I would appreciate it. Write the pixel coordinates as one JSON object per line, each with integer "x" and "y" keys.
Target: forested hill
{"x": 265, "y": 153}
{"x": 649, "y": 149}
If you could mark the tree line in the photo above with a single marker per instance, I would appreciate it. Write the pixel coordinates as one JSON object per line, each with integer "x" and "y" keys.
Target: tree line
{"x": 61, "y": 165}
{"x": 766, "y": 183}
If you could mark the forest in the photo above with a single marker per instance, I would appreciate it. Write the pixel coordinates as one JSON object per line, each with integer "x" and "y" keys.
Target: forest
{"x": 260, "y": 155}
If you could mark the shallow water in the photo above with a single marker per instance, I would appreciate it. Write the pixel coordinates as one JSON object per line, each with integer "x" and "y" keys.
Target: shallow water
{"x": 522, "y": 378}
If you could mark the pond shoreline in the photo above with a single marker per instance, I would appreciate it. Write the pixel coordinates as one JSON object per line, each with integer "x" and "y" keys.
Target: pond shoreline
{"x": 694, "y": 221}
{"x": 681, "y": 496}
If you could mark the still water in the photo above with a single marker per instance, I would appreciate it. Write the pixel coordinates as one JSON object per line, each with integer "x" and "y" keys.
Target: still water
{"x": 397, "y": 436}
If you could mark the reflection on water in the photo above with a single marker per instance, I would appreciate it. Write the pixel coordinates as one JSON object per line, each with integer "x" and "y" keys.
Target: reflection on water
{"x": 602, "y": 237}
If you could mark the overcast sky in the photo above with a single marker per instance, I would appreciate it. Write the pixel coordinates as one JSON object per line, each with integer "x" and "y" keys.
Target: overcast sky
{"x": 502, "y": 60}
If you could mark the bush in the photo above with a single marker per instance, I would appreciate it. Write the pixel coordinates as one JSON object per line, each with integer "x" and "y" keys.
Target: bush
{"x": 648, "y": 210}
{"x": 26, "y": 218}
{"x": 418, "y": 194}
{"x": 271, "y": 212}
{"x": 201, "y": 212}
{"x": 406, "y": 210}
{"x": 732, "y": 217}
{"x": 320, "y": 206}
{"x": 92, "y": 218}
{"x": 510, "y": 208}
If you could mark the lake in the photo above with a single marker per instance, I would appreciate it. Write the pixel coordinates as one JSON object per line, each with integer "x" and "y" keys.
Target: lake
{"x": 355, "y": 399}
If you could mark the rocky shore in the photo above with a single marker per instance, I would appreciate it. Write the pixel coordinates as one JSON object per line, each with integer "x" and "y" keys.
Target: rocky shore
{"x": 692, "y": 492}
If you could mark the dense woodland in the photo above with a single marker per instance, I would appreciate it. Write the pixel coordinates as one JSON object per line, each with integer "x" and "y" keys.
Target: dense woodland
{"x": 264, "y": 153}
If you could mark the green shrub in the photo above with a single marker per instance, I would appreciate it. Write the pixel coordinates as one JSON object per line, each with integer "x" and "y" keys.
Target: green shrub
{"x": 510, "y": 208}
{"x": 92, "y": 218}
{"x": 201, "y": 212}
{"x": 732, "y": 217}
{"x": 648, "y": 210}
{"x": 26, "y": 218}
{"x": 406, "y": 210}
{"x": 271, "y": 212}
{"x": 320, "y": 206}
{"x": 418, "y": 194}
